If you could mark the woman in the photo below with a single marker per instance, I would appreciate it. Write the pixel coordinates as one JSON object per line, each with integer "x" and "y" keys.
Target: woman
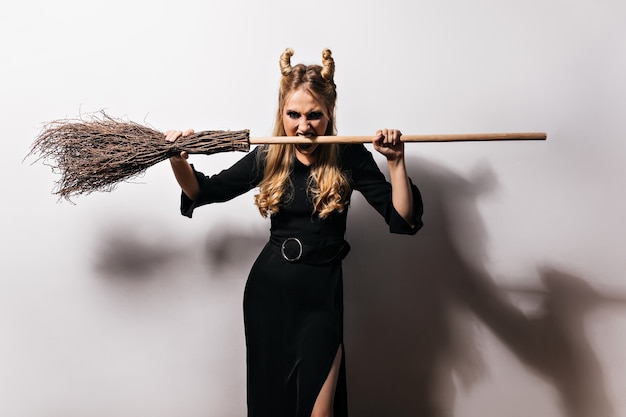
{"x": 293, "y": 306}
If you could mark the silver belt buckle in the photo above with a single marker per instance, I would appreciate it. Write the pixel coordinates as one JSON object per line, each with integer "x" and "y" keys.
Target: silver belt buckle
{"x": 282, "y": 249}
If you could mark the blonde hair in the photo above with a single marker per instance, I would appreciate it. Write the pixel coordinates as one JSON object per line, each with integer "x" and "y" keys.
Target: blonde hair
{"x": 328, "y": 186}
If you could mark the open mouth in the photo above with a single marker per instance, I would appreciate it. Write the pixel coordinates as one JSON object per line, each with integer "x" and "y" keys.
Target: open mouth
{"x": 304, "y": 146}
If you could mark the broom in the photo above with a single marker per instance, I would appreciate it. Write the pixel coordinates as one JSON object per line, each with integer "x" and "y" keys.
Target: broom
{"x": 97, "y": 153}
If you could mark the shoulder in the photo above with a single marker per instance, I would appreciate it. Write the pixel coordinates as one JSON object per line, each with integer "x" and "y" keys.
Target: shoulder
{"x": 352, "y": 150}
{"x": 354, "y": 155}
{"x": 254, "y": 158}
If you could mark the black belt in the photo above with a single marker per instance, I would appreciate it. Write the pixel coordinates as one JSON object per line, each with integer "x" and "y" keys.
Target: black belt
{"x": 293, "y": 250}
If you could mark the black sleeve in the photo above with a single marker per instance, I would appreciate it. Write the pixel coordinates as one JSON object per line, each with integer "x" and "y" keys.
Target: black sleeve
{"x": 367, "y": 178}
{"x": 240, "y": 178}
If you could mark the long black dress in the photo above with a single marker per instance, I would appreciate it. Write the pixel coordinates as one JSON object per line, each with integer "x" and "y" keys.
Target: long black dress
{"x": 293, "y": 301}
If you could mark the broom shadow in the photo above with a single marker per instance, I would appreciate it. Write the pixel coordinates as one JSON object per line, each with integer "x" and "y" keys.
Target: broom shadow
{"x": 412, "y": 305}
{"x": 125, "y": 254}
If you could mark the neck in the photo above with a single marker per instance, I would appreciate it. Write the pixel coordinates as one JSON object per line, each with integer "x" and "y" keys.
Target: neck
{"x": 307, "y": 159}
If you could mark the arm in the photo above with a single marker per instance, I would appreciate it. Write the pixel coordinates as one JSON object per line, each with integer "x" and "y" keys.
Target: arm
{"x": 388, "y": 143}
{"x": 366, "y": 177}
{"x": 182, "y": 170}
{"x": 199, "y": 189}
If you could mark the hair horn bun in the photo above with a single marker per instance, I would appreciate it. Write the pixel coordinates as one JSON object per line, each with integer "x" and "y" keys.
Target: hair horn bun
{"x": 285, "y": 62}
{"x": 328, "y": 65}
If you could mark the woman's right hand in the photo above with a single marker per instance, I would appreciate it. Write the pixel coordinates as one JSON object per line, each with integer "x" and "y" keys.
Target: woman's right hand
{"x": 173, "y": 135}
{"x": 183, "y": 171}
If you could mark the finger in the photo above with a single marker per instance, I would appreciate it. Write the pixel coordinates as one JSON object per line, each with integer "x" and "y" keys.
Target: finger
{"x": 387, "y": 135}
{"x": 393, "y": 137}
{"x": 188, "y": 132}
{"x": 398, "y": 134}
{"x": 172, "y": 135}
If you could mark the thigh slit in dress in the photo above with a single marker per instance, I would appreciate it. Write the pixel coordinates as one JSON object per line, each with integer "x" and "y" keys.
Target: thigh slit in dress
{"x": 293, "y": 317}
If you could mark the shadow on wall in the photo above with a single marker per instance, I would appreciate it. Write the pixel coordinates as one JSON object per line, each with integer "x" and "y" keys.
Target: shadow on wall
{"x": 410, "y": 338}
{"x": 409, "y": 334}
{"x": 127, "y": 254}
{"x": 228, "y": 249}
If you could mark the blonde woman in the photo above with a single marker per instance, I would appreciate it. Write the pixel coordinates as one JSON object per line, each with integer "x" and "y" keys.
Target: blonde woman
{"x": 293, "y": 304}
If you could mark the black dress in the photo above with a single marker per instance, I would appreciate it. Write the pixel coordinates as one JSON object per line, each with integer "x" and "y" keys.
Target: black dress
{"x": 293, "y": 301}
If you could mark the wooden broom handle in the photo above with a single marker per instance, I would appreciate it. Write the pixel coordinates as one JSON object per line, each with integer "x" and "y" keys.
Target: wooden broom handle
{"x": 463, "y": 137}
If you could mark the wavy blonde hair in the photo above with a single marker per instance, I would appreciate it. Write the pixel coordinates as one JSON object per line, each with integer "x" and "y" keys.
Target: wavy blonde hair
{"x": 327, "y": 185}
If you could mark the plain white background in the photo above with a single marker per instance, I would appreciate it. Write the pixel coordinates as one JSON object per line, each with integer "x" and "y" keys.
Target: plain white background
{"x": 111, "y": 307}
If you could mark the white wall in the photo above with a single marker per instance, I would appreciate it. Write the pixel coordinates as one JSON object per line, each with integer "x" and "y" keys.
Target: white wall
{"x": 118, "y": 306}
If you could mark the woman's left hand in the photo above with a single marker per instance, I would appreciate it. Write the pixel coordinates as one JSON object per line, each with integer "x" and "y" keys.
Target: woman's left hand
{"x": 388, "y": 143}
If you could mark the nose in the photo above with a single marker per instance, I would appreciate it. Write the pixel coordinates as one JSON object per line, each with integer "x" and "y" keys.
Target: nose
{"x": 304, "y": 126}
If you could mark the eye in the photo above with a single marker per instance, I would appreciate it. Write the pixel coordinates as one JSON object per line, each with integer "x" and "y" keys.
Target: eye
{"x": 293, "y": 114}
{"x": 315, "y": 115}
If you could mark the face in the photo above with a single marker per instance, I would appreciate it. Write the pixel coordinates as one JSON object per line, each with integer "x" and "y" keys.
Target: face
{"x": 304, "y": 116}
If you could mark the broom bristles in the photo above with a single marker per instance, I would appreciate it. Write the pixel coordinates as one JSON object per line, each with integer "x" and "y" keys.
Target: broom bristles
{"x": 98, "y": 152}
